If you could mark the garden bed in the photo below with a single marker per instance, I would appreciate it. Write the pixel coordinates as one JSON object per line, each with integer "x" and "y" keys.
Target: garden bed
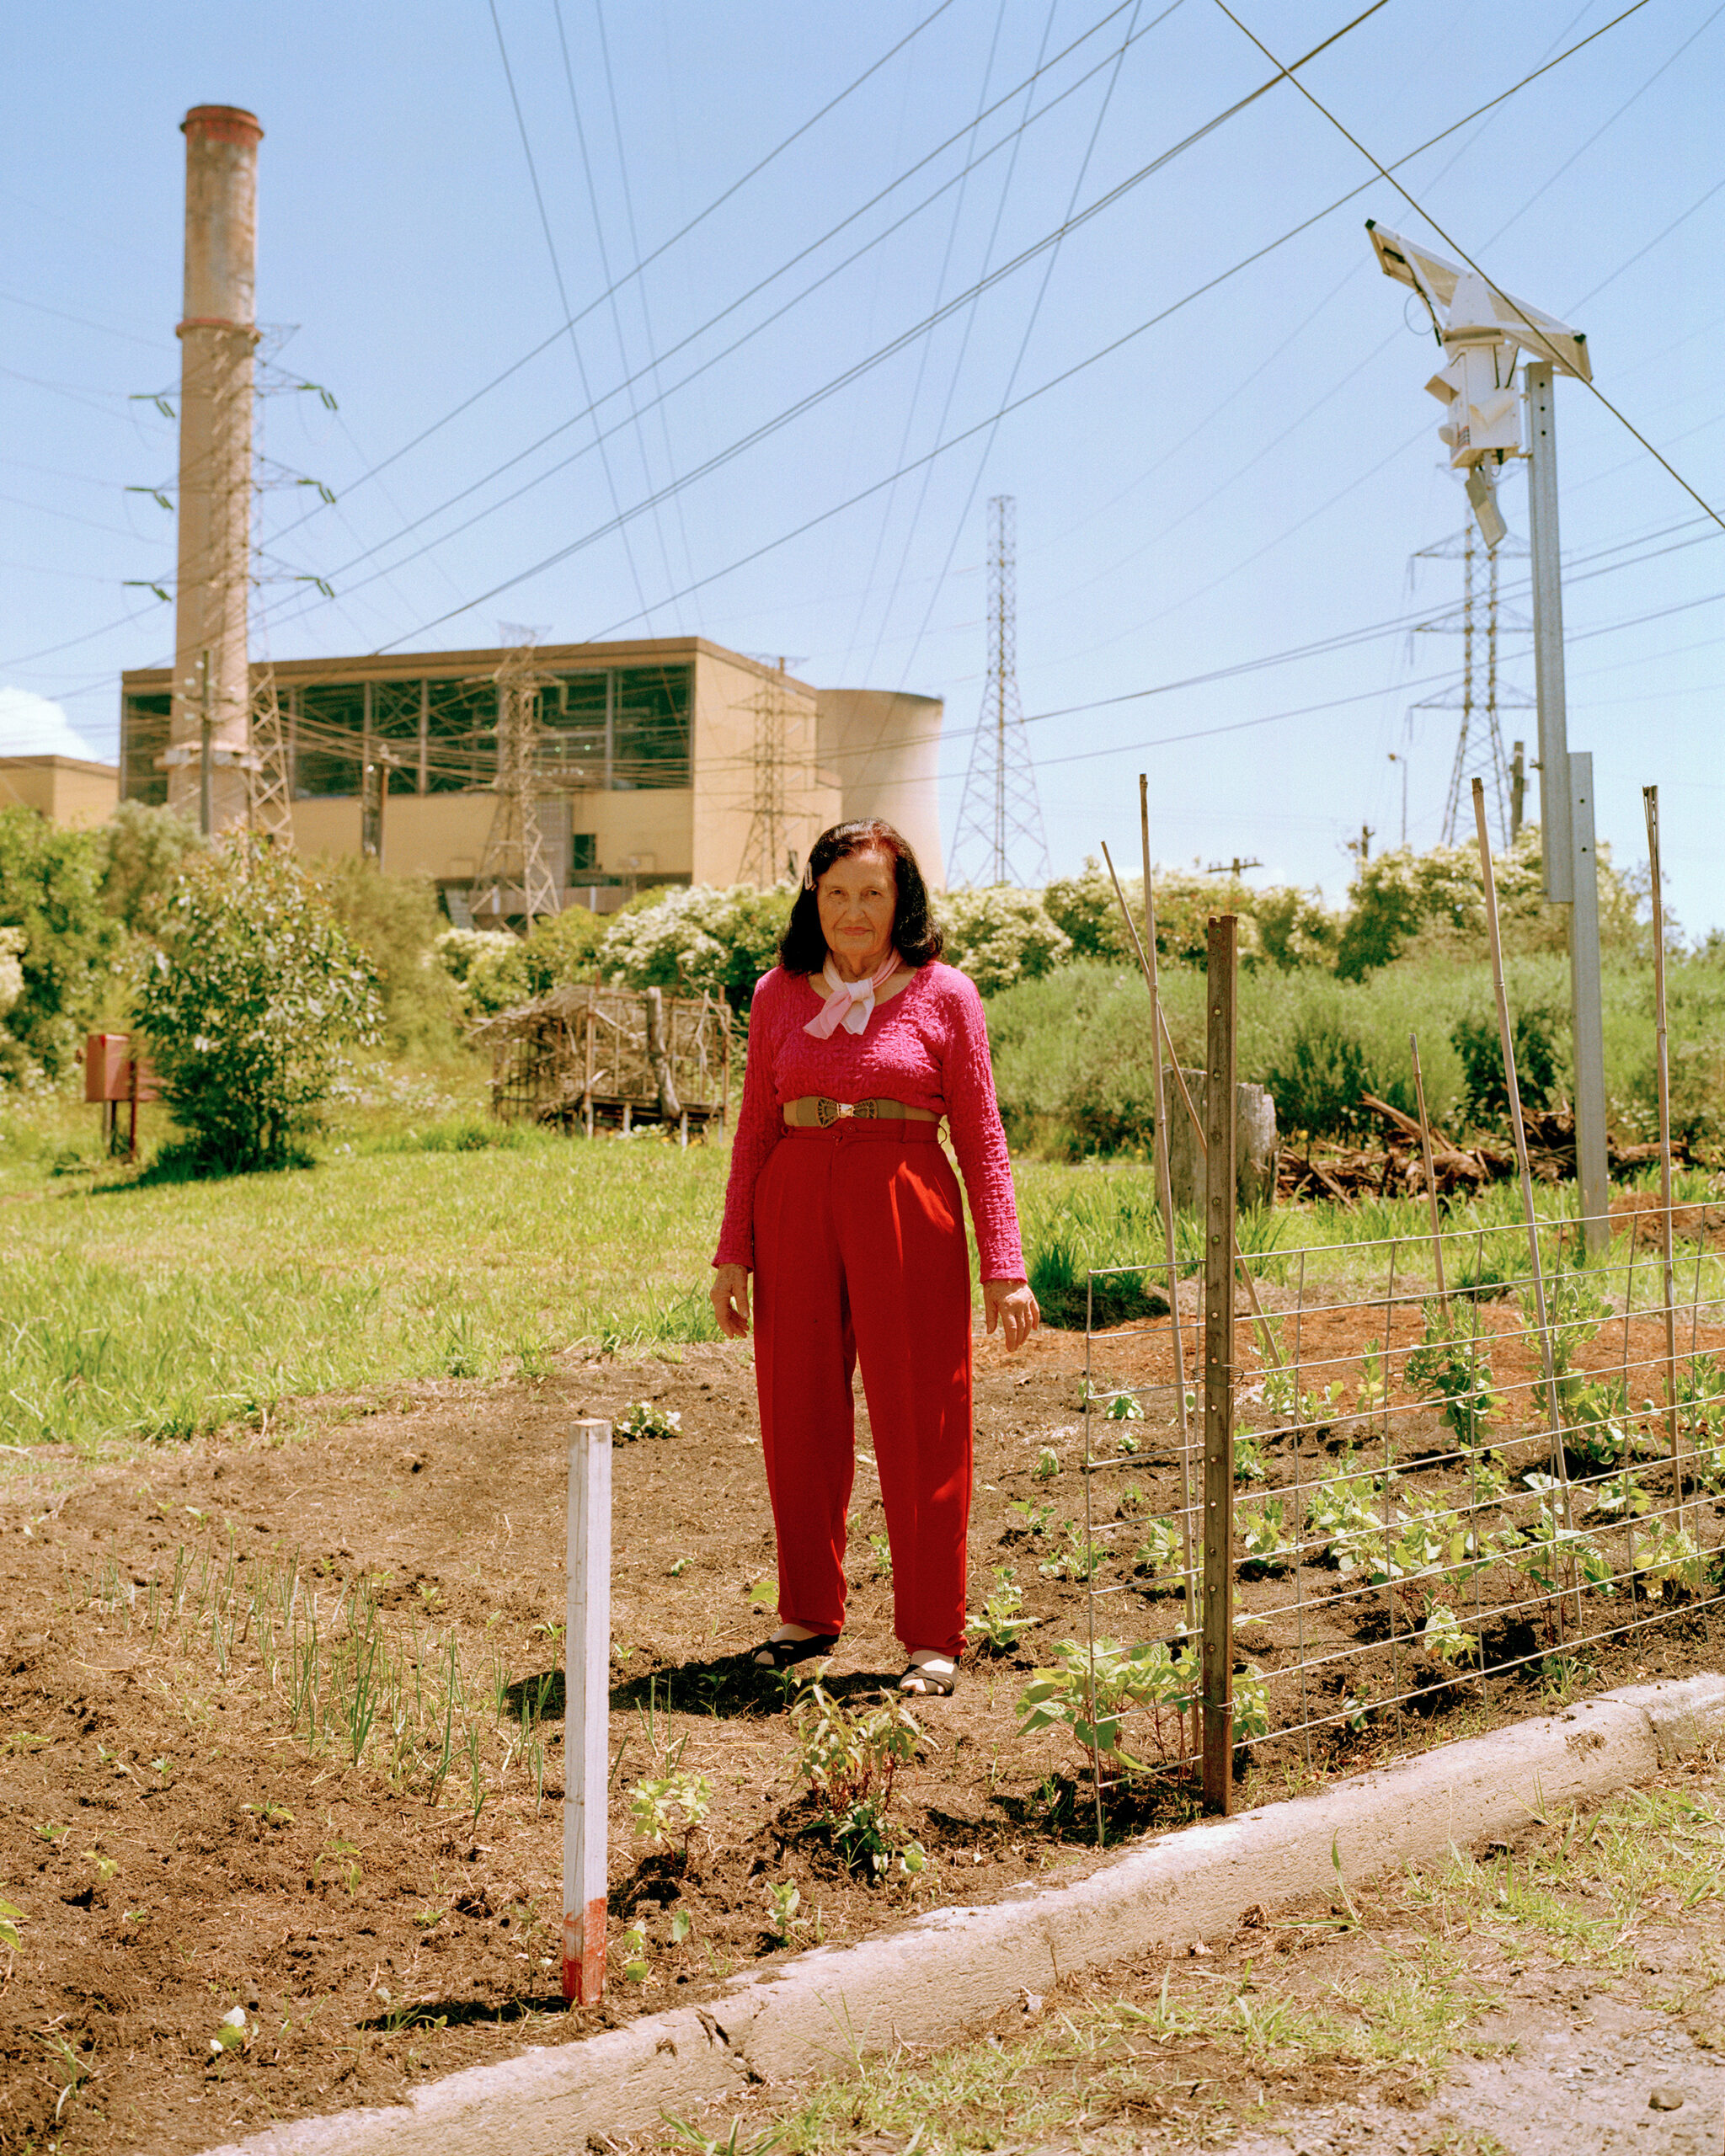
{"x": 187, "y": 1835}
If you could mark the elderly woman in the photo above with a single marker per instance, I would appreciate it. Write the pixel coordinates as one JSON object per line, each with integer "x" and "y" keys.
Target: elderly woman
{"x": 843, "y": 1205}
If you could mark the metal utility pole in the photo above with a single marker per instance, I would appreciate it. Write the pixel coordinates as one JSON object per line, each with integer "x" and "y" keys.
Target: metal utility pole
{"x": 999, "y": 836}
{"x": 1571, "y": 870}
{"x": 209, "y": 728}
{"x": 1480, "y": 329}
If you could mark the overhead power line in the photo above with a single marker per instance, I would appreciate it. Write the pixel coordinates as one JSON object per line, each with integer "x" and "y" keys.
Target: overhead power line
{"x": 630, "y": 380}
{"x": 1056, "y": 381}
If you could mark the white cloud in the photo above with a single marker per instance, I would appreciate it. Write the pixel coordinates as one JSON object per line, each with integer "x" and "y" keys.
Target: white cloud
{"x": 31, "y": 726}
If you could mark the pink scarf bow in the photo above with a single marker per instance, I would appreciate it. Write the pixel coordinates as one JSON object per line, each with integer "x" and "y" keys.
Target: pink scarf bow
{"x": 850, "y": 1003}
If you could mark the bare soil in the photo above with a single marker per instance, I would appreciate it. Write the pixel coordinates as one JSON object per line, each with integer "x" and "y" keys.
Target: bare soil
{"x": 180, "y": 1845}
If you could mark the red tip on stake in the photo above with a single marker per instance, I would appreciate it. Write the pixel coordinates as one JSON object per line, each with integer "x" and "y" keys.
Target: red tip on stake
{"x": 584, "y": 1956}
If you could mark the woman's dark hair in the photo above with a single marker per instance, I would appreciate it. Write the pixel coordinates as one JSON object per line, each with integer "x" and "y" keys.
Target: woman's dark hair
{"x": 916, "y": 935}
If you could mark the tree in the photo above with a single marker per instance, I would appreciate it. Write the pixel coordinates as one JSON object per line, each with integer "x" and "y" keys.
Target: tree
{"x": 144, "y": 850}
{"x": 67, "y": 945}
{"x": 247, "y": 999}
{"x": 394, "y": 920}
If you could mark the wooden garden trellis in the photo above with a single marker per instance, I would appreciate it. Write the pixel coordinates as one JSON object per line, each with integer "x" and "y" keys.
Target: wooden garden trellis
{"x": 612, "y": 1058}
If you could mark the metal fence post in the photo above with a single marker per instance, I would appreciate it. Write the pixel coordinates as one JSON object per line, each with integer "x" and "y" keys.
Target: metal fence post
{"x": 586, "y": 1710}
{"x": 1217, "y": 1661}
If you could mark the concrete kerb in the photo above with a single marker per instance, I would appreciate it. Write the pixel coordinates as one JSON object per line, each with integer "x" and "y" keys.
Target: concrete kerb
{"x": 955, "y": 1969}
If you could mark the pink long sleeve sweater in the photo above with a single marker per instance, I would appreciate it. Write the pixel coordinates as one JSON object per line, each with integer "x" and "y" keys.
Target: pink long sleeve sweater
{"x": 926, "y": 1046}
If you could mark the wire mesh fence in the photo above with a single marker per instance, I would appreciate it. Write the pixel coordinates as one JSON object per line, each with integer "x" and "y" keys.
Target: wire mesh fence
{"x": 1455, "y": 1457}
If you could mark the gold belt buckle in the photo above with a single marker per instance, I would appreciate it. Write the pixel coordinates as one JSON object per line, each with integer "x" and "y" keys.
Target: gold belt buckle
{"x": 845, "y": 1108}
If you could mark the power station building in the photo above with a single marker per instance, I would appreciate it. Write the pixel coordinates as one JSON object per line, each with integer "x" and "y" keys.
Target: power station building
{"x": 666, "y": 760}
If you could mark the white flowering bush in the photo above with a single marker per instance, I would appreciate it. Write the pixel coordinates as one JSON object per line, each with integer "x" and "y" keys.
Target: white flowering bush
{"x": 1000, "y": 936}
{"x": 697, "y": 938}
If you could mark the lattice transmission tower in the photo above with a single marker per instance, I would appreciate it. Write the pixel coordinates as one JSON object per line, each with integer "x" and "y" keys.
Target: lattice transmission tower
{"x": 767, "y": 858}
{"x": 515, "y": 864}
{"x": 999, "y": 837}
{"x": 1482, "y": 696}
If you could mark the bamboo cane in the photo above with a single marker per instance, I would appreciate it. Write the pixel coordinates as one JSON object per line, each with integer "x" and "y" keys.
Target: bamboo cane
{"x": 1560, "y": 1467}
{"x": 1431, "y": 1180}
{"x": 1650, "y": 798}
{"x": 1147, "y": 969}
{"x": 1164, "y": 1197}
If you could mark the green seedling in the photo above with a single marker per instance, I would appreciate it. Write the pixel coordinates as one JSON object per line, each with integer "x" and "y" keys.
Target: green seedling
{"x": 677, "y": 1567}
{"x": 645, "y": 1418}
{"x": 1665, "y": 1556}
{"x": 11, "y": 1916}
{"x": 1130, "y": 1502}
{"x": 783, "y": 1900}
{"x": 850, "y": 1759}
{"x": 631, "y": 1954}
{"x": 1080, "y": 1560}
{"x": 342, "y": 1859}
{"x": 1048, "y": 1464}
{"x": 1092, "y": 1695}
{"x": 270, "y": 1815}
{"x": 47, "y": 1832}
{"x": 1442, "y": 1637}
{"x": 1124, "y": 1408}
{"x": 1002, "y": 1620}
{"x": 881, "y": 1546}
{"x": 1448, "y": 1366}
{"x": 671, "y": 1810}
{"x": 1249, "y": 1465}
{"x": 1035, "y": 1518}
{"x": 1162, "y": 1555}
{"x": 1261, "y": 1528}
{"x": 762, "y": 1594}
{"x": 233, "y": 2033}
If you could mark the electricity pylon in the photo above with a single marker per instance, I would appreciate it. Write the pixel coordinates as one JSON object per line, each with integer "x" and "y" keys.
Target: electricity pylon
{"x": 1482, "y": 696}
{"x": 999, "y": 836}
{"x": 515, "y": 856}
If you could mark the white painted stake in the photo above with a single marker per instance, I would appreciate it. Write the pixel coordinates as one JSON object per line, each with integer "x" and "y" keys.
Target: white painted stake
{"x": 586, "y": 1725}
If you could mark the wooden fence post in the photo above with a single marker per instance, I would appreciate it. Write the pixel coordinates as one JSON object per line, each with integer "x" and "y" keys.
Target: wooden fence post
{"x": 1217, "y": 1659}
{"x": 587, "y": 1718}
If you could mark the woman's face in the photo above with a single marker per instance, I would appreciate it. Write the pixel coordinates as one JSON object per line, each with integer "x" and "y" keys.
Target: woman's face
{"x": 857, "y": 897}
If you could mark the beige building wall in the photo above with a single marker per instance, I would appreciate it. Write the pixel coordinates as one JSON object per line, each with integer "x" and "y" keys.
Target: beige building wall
{"x": 64, "y": 789}
{"x": 847, "y": 753}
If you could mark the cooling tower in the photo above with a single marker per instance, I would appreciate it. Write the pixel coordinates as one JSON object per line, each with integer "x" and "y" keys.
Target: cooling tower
{"x": 884, "y": 749}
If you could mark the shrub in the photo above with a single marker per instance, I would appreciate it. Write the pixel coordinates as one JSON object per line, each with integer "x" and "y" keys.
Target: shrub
{"x": 696, "y": 939}
{"x": 1538, "y": 1031}
{"x": 67, "y": 943}
{"x": 394, "y": 922}
{"x": 1317, "y": 1087}
{"x": 247, "y": 999}
{"x": 486, "y": 965}
{"x": 1000, "y": 936}
{"x": 144, "y": 851}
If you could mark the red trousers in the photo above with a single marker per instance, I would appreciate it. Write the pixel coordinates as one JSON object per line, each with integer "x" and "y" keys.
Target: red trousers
{"x": 860, "y": 1256}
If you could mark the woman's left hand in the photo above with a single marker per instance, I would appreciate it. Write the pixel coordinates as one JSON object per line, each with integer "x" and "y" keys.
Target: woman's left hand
{"x": 1010, "y": 1305}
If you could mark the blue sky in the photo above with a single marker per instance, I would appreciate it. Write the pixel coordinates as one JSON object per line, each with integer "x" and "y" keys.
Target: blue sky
{"x": 1249, "y": 470}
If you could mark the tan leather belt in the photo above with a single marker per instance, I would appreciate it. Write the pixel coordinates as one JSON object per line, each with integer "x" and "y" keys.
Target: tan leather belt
{"x": 814, "y": 1112}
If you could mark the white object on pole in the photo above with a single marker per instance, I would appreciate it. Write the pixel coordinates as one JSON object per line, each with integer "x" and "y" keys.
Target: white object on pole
{"x": 1496, "y": 313}
{"x": 586, "y": 1715}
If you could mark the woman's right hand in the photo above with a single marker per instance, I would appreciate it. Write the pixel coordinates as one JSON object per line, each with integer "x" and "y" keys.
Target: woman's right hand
{"x": 730, "y": 1299}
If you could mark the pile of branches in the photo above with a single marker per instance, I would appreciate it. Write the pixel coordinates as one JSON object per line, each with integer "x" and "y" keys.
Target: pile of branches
{"x": 1395, "y": 1167}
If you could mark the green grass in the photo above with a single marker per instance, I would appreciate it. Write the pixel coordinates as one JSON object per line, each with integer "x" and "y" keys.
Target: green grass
{"x": 132, "y": 1310}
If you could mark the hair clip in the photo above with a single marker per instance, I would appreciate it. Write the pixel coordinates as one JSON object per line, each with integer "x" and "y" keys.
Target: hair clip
{"x": 808, "y": 877}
